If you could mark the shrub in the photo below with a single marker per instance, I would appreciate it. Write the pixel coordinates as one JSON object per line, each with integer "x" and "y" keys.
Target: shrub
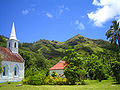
{"x": 25, "y": 81}
{"x": 56, "y": 80}
{"x": 36, "y": 79}
{"x": 8, "y": 82}
{"x": 54, "y": 74}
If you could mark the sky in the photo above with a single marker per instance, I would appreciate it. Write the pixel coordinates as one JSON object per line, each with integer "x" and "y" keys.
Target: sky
{"x": 57, "y": 19}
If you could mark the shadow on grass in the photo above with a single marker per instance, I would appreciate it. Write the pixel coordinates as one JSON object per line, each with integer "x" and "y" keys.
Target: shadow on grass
{"x": 115, "y": 83}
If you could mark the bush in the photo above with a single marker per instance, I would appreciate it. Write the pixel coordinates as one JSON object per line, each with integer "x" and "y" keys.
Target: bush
{"x": 36, "y": 79}
{"x": 8, "y": 82}
{"x": 54, "y": 74}
{"x": 25, "y": 81}
{"x": 56, "y": 81}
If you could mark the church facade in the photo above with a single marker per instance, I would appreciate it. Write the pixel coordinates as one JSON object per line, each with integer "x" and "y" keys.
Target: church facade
{"x": 12, "y": 62}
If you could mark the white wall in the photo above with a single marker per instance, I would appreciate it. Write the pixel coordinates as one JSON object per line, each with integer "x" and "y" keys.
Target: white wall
{"x": 12, "y": 43}
{"x": 57, "y": 71}
{"x": 11, "y": 77}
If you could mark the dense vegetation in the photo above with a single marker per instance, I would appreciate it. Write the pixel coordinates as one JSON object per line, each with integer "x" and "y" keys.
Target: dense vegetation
{"x": 96, "y": 57}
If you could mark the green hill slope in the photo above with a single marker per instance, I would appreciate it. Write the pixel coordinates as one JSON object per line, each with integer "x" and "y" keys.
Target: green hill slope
{"x": 53, "y": 51}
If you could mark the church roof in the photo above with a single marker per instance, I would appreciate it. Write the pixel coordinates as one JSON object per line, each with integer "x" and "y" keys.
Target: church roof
{"x": 60, "y": 65}
{"x": 13, "y": 35}
{"x": 7, "y": 55}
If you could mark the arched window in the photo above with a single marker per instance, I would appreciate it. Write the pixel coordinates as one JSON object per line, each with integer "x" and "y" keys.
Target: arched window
{"x": 15, "y": 45}
{"x": 9, "y": 44}
{"x": 16, "y": 70}
{"x": 5, "y": 70}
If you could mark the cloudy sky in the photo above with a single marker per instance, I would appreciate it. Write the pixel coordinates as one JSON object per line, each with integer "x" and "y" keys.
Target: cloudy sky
{"x": 57, "y": 19}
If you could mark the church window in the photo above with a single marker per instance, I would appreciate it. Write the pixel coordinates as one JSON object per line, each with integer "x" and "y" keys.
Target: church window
{"x": 9, "y": 44}
{"x": 15, "y": 45}
{"x": 16, "y": 71}
{"x": 5, "y": 70}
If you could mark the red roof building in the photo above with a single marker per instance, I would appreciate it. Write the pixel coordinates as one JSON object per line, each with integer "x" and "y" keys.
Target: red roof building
{"x": 59, "y": 68}
{"x": 60, "y": 65}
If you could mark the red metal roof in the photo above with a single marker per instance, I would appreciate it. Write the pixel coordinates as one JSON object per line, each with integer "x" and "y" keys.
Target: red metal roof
{"x": 7, "y": 55}
{"x": 58, "y": 66}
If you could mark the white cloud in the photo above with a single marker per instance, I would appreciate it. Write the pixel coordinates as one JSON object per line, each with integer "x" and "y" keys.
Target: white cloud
{"x": 79, "y": 25}
{"x": 49, "y": 15}
{"x": 62, "y": 8}
{"x": 25, "y": 12}
{"x": 106, "y": 10}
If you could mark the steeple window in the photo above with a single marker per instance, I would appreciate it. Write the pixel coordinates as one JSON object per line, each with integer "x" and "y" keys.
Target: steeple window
{"x": 15, "y": 45}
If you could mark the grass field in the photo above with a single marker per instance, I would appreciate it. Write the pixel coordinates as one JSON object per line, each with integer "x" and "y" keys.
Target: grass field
{"x": 91, "y": 85}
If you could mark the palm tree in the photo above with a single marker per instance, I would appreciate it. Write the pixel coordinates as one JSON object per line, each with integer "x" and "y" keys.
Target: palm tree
{"x": 114, "y": 33}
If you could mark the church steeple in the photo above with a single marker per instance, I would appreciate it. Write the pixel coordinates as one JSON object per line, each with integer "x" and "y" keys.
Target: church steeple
{"x": 13, "y": 35}
{"x": 12, "y": 43}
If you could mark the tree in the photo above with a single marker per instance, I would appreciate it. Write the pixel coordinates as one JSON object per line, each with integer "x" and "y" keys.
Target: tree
{"x": 95, "y": 67}
{"x": 113, "y": 33}
{"x": 115, "y": 66}
{"x": 0, "y": 64}
{"x": 74, "y": 70}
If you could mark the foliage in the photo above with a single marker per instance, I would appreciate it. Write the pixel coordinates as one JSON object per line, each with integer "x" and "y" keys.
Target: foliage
{"x": 34, "y": 60}
{"x": 95, "y": 68}
{"x": 35, "y": 77}
{"x": 54, "y": 74}
{"x": 43, "y": 54}
{"x": 56, "y": 81}
{"x": 3, "y": 41}
{"x": 0, "y": 64}
{"x": 74, "y": 70}
{"x": 113, "y": 33}
{"x": 116, "y": 70}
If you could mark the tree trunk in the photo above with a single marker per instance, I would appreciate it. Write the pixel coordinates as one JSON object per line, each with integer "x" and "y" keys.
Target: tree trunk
{"x": 118, "y": 41}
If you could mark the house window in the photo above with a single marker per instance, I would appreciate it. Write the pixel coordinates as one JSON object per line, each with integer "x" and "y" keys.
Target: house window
{"x": 16, "y": 71}
{"x": 5, "y": 70}
{"x": 15, "y": 45}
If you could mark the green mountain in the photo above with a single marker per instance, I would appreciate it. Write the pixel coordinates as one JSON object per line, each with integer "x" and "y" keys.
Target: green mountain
{"x": 45, "y": 53}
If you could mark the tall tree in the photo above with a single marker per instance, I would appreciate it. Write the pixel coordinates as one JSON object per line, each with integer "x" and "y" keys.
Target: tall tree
{"x": 74, "y": 70}
{"x": 114, "y": 33}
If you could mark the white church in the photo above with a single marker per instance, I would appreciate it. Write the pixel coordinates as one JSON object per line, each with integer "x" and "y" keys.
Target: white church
{"x": 12, "y": 62}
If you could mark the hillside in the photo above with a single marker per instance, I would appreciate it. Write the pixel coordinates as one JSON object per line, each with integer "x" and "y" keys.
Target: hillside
{"x": 50, "y": 52}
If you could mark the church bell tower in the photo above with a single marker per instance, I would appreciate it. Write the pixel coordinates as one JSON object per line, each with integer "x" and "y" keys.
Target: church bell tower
{"x": 12, "y": 43}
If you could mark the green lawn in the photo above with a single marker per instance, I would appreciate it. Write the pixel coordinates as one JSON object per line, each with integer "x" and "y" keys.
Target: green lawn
{"x": 91, "y": 85}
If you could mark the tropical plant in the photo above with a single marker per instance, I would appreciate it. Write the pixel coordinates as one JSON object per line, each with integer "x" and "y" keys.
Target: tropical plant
{"x": 74, "y": 70}
{"x": 116, "y": 70}
{"x": 55, "y": 80}
{"x": 35, "y": 77}
{"x": 95, "y": 68}
{"x": 113, "y": 33}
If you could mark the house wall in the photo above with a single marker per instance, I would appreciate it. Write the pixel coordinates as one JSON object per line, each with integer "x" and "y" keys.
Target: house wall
{"x": 57, "y": 71}
{"x": 10, "y": 77}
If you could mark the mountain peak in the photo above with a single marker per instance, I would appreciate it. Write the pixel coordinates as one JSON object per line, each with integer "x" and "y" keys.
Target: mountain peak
{"x": 78, "y": 35}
